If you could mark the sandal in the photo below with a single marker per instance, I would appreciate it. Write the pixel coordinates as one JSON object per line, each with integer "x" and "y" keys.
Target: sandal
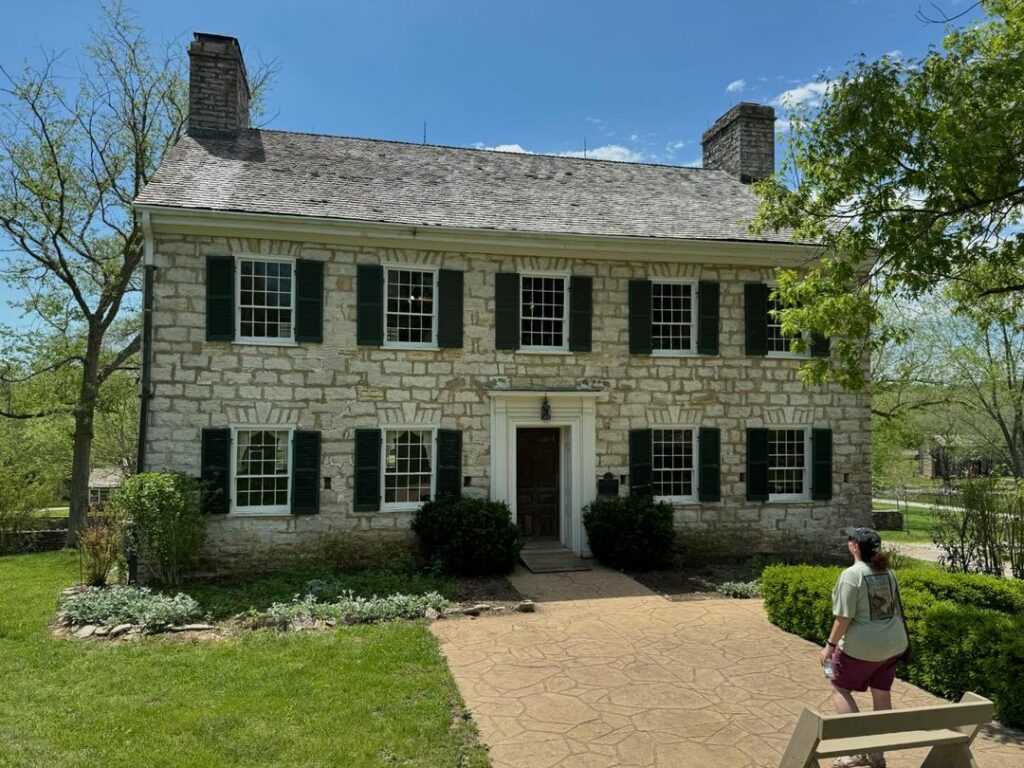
{"x": 852, "y": 761}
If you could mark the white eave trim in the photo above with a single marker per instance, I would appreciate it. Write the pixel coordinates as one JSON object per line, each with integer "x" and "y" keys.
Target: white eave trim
{"x": 164, "y": 219}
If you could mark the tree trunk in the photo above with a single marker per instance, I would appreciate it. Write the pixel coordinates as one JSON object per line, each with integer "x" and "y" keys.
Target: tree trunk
{"x": 81, "y": 455}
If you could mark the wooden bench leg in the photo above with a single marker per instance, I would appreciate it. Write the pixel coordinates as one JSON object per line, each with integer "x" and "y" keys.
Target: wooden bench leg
{"x": 803, "y": 742}
{"x": 950, "y": 756}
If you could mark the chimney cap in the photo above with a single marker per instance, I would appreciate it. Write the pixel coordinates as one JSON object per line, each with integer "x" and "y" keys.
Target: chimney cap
{"x": 229, "y": 46}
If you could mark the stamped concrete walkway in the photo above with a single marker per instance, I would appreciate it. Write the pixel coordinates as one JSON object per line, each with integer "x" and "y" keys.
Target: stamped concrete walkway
{"x": 607, "y": 673}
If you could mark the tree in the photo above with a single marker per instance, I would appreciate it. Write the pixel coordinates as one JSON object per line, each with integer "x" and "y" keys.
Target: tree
{"x": 73, "y": 156}
{"x": 909, "y": 173}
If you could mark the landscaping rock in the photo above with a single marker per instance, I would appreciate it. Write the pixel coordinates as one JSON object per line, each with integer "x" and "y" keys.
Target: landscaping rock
{"x": 102, "y": 631}
{"x": 482, "y": 607}
{"x": 87, "y": 631}
{"x": 119, "y": 630}
{"x": 431, "y": 614}
{"x": 472, "y": 611}
{"x": 526, "y": 606}
{"x": 197, "y": 627}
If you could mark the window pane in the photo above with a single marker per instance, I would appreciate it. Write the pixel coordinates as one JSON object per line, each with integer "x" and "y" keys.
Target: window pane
{"x": 261, "y": 468}
{"x": 265, "y": 300}
{"x": 542, "y": 314}
{"x": 672, "y": 462}
{"x": 776, "y": 341}
{"x": 672, "y": 316}
{"x": 786, "y": 461}
{"x": 410, "y": 306}
{"x": 407, "y": 466}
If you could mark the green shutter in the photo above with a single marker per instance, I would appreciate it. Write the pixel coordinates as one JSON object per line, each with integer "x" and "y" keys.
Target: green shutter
{"x": 757, "y": 465}
{"x": 367, "y": 470}
{"x": 309, "y": 300}
{"x": 214, "y": 470}
{"x": 581, "y": 313}
{"x": 640, "y": 462}
{"x": 448, "y": 481}
{"x": 369, "y": 305}
{"x": 220, "y": 298}
{"x": 707, "y": 317}
{"x": 506, "y": 310}
{"x": 755, "y": 306}
{"x": 821, "y": 464}
{"x": 449, "y": 309}
{"x": 640, "y": 317}
{"x": 709, "y": 464}
{"x": 820, "y": 345}
{"x": 305, "y": 473}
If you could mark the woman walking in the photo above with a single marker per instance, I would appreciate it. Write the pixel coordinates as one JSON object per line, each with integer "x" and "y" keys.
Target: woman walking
{"x": 868, "y": 636}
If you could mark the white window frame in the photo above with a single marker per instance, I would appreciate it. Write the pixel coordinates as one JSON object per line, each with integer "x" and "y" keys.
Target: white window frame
{"x": 405, "y": 506}
{"x": 565, "y": 277}
{"x": 432, "y": 344}
{"x": 694, "y": 317}
{"x": 805, "y": 494}
{"x": 691, "y": 499}
{"x": 769, "y": 321}
{"x": 280, "y": 341}
{"x": 277, "y": 509}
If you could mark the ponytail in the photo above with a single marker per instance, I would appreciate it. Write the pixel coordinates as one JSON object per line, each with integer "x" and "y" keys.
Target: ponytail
{"x": 878, "y": 561}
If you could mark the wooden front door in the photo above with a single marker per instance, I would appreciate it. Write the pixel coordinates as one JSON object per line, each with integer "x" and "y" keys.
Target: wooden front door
{"x": 537, "y": 482}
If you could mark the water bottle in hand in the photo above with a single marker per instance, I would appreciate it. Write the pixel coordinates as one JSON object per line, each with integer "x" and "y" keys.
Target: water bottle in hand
{"x": 830, "y": 669}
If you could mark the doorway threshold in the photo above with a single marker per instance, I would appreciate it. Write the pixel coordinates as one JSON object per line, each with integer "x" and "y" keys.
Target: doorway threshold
{"x": 551, "y": 557}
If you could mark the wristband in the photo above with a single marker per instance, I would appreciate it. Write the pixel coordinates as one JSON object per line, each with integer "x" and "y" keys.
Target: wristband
{"x": 830, "y": 644}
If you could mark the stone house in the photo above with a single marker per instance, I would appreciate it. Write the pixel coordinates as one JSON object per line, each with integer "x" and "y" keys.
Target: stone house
{"x": 337, "y": 329}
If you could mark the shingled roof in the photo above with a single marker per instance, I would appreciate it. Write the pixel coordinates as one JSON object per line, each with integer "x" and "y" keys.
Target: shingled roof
{"x": 301, "y": 174}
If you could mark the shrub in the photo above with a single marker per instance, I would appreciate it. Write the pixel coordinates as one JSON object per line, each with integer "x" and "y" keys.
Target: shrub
{"x": 968, "y": 530}
{"x": 349, "y": 608}
{"x": 99, "y": 549}
{"x": 961, "y": 642}
{"x": 740, "y": 589}
{"x": 20, "y": 499}
{"x": 468, "y": 537}
{"x": 129, "y": 605}
{"x": 163, "y": 523}
{"x": 630, "y": 532}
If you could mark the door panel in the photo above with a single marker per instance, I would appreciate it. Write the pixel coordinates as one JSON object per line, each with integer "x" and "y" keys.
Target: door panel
{"x": 537, "y": 482}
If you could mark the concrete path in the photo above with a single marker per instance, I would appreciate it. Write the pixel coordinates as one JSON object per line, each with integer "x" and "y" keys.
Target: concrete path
{"x": 607, "y": 673}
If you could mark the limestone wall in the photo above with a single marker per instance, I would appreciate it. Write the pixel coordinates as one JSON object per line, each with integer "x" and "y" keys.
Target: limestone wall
{"x": 337, "y": 387}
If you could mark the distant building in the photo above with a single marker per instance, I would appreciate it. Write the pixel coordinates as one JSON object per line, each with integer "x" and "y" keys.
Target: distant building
{"x": 102, "y": 482}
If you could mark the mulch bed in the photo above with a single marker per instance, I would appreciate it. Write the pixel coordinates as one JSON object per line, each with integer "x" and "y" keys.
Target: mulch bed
{"x": 694, "y": 583}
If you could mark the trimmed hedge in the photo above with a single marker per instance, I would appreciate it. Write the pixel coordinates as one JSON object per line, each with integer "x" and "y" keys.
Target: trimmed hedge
{"x": 468, "y": 537}
{"x": 961, "y": 640}
{"x": 630, "y": 532}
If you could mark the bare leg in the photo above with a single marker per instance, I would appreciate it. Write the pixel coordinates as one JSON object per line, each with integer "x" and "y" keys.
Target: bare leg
{"x": 844, "y": 701}
{"x": 880, "y": 700}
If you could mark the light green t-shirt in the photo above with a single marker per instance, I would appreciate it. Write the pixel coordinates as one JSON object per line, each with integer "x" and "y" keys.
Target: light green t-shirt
{"x": 869, "y": 599}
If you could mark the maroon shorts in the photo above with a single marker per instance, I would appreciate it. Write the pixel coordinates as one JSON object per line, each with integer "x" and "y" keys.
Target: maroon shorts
{"x": 857, "y": 675}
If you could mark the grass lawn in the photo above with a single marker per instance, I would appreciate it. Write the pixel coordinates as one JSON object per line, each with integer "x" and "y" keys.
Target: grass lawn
{"x": 917, "y": 521}
{"x": 359, "y": 696}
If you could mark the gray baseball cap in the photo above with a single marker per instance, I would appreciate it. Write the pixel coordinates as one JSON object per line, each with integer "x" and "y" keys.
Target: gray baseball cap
{"x": 866, "y": 538}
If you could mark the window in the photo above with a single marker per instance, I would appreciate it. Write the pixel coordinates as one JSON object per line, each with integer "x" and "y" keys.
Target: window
{"x": 408, "y": 467}
{"x": 673, "y": 329}
{"x": 787, "y": 463}
{"x": 542, "y": 312}
{"x": 98, "y": 497}
{"x": 672, "y": 463}
{"x": 262, "y": 470}
{"x": 265, "y": 300}
{"x": 409, "y": 320}
{"x": 777, "y": 343}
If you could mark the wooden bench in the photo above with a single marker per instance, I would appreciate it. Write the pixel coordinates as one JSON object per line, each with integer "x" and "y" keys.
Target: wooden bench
{"x": 949, "y": 729}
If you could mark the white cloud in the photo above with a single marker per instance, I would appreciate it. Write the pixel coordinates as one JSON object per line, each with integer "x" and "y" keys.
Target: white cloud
{"x": 608, "y": 152}
{"x": 895, "y": 53}
{"x": 677, "y": 144}
{"x": 517, "y": 148}
{"x": 736, "y": 86}
{"x": 781, "y": 125}
{"x": 808, "y": 93}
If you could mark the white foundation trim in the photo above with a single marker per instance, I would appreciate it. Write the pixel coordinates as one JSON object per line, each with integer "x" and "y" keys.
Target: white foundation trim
{"x": 574, "y": 413}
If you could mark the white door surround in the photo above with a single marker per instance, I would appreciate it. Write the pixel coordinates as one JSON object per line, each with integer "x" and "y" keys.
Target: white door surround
{"x": 575, "y": 414}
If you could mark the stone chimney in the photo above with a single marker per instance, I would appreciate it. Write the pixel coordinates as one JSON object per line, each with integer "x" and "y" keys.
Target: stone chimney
{"x": 218, "y": 89}
{"x": 742, "y": 142}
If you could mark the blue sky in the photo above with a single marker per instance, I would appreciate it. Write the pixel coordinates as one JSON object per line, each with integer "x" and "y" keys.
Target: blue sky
{"x": 637, "y": 81}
